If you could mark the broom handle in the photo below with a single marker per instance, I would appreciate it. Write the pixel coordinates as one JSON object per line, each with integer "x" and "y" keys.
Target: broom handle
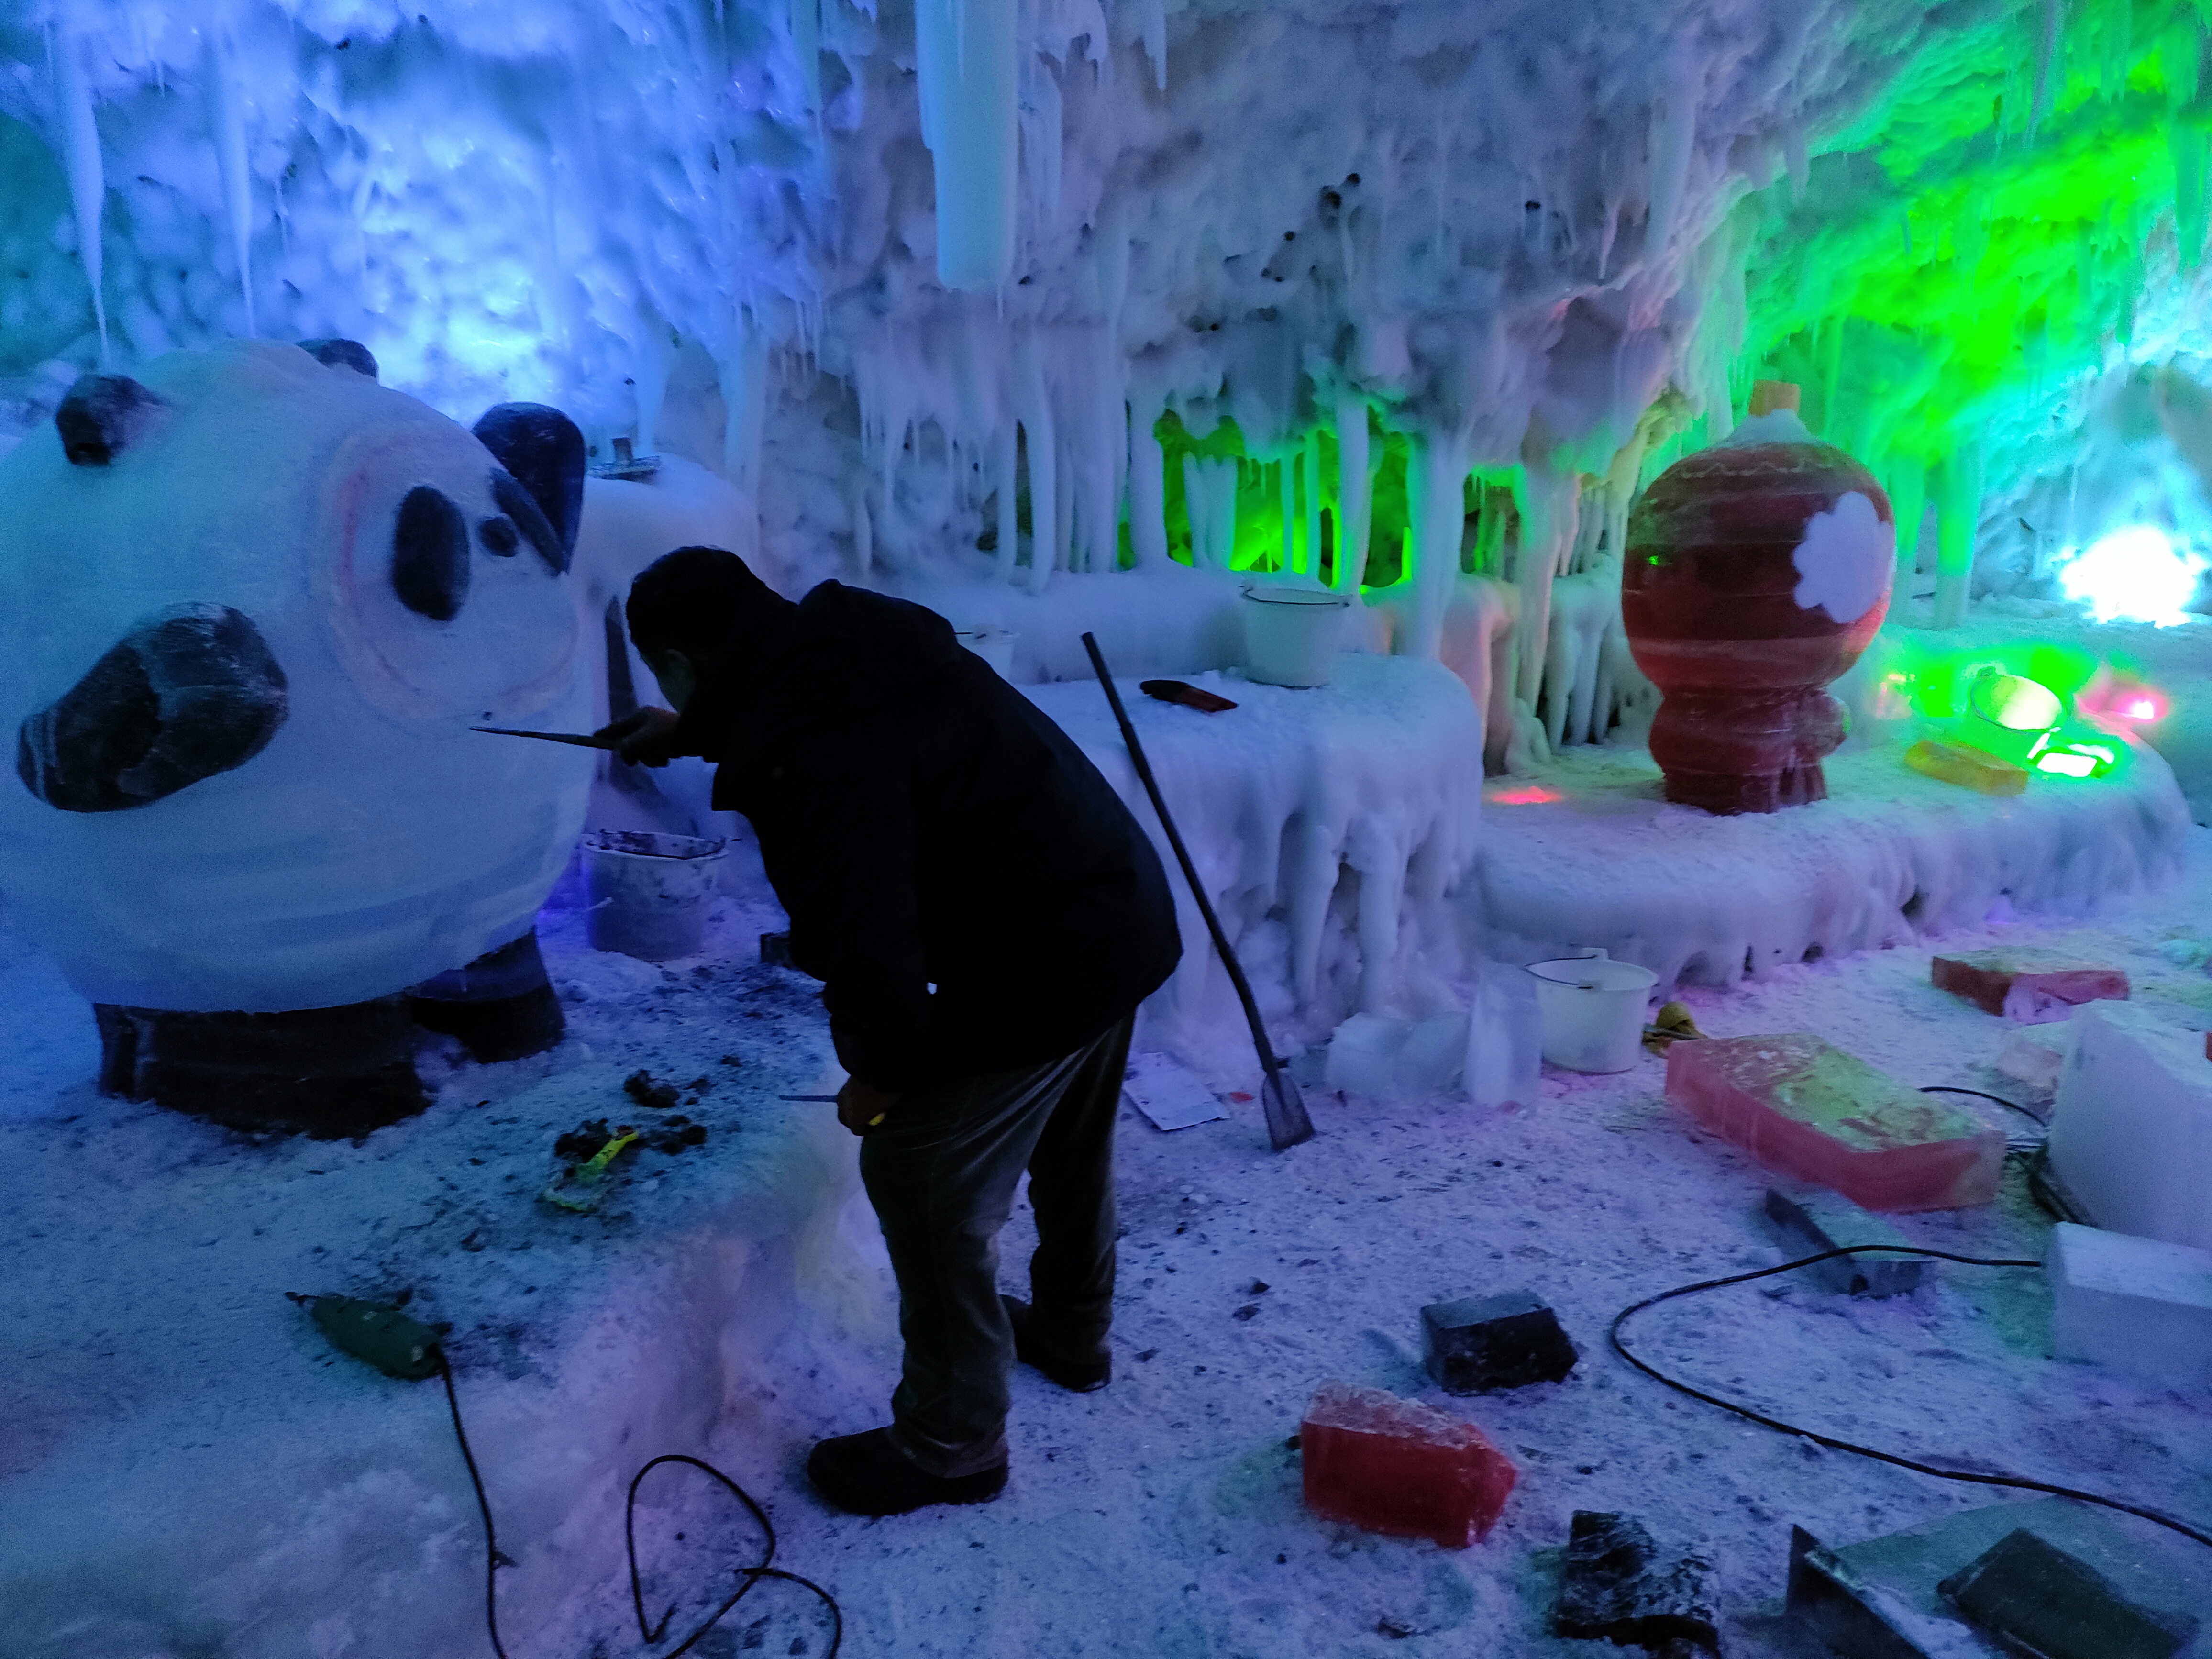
{"x": 1267, "y": 1060}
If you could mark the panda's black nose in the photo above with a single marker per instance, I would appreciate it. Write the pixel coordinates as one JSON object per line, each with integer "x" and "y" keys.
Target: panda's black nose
{"x": 430, "y": 555}
{"x": 190, "y": 691}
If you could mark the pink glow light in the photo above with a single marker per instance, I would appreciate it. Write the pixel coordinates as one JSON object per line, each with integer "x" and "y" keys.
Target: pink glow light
{"x": 1532, "y": 794}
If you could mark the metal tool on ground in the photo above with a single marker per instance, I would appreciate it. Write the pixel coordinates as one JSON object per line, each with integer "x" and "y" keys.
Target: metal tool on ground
{"x": 1287, "y": 1122}
{"x": 831, "y": 1100}
{"x": 582, "y": 740}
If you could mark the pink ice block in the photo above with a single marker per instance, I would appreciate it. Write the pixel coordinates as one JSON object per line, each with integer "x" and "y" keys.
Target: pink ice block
{"x": 2035, "y": 988}
{"x": 1398, "y": 1466}
{"x": 1804, "y": 1108}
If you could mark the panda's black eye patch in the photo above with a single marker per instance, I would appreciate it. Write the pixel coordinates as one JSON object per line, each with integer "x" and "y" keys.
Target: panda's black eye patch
{"x": 430, "y": 555}
{"x": 499, "y": 536}
{"x": 521, "y": 506}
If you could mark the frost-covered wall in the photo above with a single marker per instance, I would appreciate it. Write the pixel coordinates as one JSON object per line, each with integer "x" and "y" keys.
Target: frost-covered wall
{"x": 925, "y": 276}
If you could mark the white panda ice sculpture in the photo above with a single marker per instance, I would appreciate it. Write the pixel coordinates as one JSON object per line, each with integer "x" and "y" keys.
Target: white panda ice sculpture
{"x": 250, "y": 605}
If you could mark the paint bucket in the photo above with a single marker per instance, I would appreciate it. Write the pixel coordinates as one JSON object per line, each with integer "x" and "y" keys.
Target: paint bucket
{"x": 1292, "y": 634}
{"x": 649, "y": 893}
{"x": 1592, "y": 1009}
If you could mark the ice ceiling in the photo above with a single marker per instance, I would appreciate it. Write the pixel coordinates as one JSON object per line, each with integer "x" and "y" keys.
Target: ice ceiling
{"x": 1526, "y": 244}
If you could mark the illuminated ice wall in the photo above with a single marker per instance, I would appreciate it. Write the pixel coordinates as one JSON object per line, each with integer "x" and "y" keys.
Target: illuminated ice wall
{"x": 1013, "y": 286}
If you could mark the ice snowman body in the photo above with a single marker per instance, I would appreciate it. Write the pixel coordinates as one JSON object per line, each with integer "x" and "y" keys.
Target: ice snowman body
{"x": 267, "y": 512}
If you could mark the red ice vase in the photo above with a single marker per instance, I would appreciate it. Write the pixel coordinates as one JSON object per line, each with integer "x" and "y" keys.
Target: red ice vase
{"x": 1757, "y": 571}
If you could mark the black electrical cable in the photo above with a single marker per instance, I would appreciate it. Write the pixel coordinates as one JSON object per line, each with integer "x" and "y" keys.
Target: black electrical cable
{"x": 2021, "y": 1483}
{"x": 1983, "y": 1094}
{"x": 495, "y": 1559}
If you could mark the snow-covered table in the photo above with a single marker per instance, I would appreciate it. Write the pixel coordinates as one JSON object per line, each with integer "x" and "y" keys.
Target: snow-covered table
{"x": 1588, "y": 853}
{"x": 1330, "y": 826}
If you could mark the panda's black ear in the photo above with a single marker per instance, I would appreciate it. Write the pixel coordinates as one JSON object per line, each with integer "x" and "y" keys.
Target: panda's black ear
{"x": 544, "y": 450}
{"x": 342, "y": 353}
{"x": 102, "y": 417}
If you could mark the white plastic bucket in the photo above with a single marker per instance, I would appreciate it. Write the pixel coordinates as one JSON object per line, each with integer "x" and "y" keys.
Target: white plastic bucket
{"x": 1592, "y": 1008}
{"x": 649, "y": 893}
{"x": 1292, "y": 634}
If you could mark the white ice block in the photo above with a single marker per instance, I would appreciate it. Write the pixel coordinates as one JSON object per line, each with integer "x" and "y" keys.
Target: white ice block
{"x": 2132, "y": 1136}
{"x": 2135, "y": 1305}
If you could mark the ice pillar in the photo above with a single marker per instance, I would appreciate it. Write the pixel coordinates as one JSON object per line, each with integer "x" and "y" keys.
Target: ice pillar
{"x": 965, "y": 56}
{"x": 1549, "y": 502}
{"x": 81, "y": 154}
{"x": 1355, "y": 492}
{"x": 1148, "y": 492}
{"x": 1435, "y": 483}
{"x": 1957, "y": 517}
{"x": 1907, "y": 481}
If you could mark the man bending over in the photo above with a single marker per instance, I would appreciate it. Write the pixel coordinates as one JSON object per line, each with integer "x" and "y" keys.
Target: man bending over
{"x": 985, "y": 916}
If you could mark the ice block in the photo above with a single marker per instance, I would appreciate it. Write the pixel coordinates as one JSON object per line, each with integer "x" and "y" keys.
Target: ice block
{"x": 1810, "y": 1222}
{"x": 2135, "y": 1305}
{"x": 2131, "y": 1137}
{"x": 2035, "y": 988}
{"x": 1481, "y": 1344}
{"x": 1805, "y": 1108}
{"x": 1967, "y": 767}
{"x": 1398, "y": 1466}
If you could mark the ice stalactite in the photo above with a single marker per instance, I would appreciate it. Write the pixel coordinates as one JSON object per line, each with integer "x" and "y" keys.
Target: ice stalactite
{"x": 1355, "y": 492}
{"x": 1210, "y": 490}
{"x": 864, "y": 536}
{"x": 1673, "y": 141}
{"x": 226, "y": 120}
{"x": 1048, "y": 545}
{"x": 1310, "y": 484}
{"x": 1148, "y": 495}
{"x": 1436, "y": 479}
{"x": 806, "y": 47}
{"x": 1549, "y": 502}
{"x": 1286, "y": 489}
{"x": 967, "y": 64}
{"x": 1154, "y": 16}
{"x": 88, "y": 180}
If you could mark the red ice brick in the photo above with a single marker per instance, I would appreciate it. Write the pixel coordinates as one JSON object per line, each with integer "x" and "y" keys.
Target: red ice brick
{"x": 1398, "y": 1466}
{"x": 2033, "y": 987}
{"x": 1805, "y": 1108}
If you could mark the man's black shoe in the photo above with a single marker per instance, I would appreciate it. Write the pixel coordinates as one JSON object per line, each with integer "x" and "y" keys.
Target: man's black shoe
{"x": 1077, "y": 1378}
{"x": 866, "y": 1474}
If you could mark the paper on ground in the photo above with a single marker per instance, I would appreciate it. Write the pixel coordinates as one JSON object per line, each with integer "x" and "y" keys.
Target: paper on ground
{"x": 1167, "y": 1093}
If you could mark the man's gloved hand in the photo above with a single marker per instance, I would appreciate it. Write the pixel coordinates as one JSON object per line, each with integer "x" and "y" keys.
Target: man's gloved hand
{"x": 861, "y": 1107}
{"x": 644, "y": 737}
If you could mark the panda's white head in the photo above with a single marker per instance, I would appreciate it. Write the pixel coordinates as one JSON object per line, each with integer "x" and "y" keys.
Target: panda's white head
{"x": 322, "y": 515}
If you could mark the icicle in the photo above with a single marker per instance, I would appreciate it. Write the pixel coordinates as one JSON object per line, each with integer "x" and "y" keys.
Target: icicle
{"x": 744, "y": 375}
{"x": 1008, "y": 459}
{"x": 1355, "y": 492}
{"x": 227, "y": 117}
{"x": 1674, "y": 134}
{"x": 1148, "y": 490}
{"x": 1066, "y": 480}
{"x": 1287, "y": 488}
{"x": 2048, "y": 64}
{"x": 1156, "y": 40}
{"x": 81, "y": 154}
{"x": 966, "y": 59}
{"x": 806, "y": 47}
{"x": 863, "y": 537}
{"x": 1436, "y": 480}
{"x": 1043, "y": 448}
{"x": 1041, "y": 128}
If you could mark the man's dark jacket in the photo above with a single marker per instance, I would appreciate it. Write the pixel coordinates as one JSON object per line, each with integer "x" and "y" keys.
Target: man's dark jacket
{"x": 925, "y": 823}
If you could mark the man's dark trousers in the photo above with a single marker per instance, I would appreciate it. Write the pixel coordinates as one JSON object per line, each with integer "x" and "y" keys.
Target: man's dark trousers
{"x": 941, "y": 1173}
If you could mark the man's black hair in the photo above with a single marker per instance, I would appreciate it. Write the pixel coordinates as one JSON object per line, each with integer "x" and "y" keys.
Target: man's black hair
{"x": 693, "y": 599}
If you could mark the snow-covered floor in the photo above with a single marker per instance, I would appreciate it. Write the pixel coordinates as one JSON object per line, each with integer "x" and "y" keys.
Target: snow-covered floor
{"x": 1159, "y": 1517}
